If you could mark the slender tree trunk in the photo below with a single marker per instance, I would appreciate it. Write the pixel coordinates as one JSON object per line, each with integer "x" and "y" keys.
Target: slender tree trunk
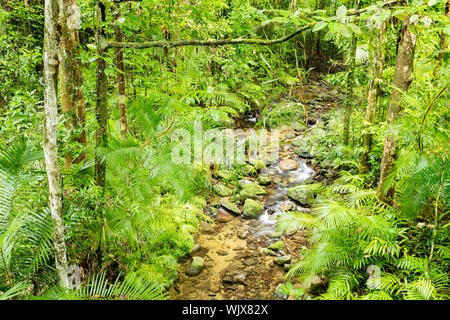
{"x": 403, "y": 77}
{"x": 50, "y": 59}
{"x": 78, "y": 102}
{"x": 350, "y": 84}
{"x": 101, "y": 111}
{"x": 65, "y": 83}
{"x": 443, "y": 44}
{"x": 371, "y": 109}
{"x": 71, "y": 78}
{"x": 118, "y": 52}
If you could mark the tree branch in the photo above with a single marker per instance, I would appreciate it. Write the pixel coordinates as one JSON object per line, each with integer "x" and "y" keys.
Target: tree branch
{"x": 170, "y": 44}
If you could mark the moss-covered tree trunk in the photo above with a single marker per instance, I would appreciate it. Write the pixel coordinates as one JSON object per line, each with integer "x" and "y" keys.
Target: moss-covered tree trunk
{"x": 50, "y": 60}
{"x": 403, "y": 77}
{"x": 71, "y": 77}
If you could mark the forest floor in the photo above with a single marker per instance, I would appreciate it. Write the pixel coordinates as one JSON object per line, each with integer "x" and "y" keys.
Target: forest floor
{"x": 236, "y": 260}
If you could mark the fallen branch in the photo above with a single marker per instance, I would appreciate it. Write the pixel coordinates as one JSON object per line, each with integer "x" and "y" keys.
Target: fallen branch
{"x": 287, "y": 247}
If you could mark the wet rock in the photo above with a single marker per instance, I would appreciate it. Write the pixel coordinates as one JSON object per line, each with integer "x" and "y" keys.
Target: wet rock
{"x": 276, "y": 234}
{"x": 277, "y": 245}
{"x": 270, "y": 159}
{"x": 243, "y": 234}
{"x": 224, "y": 217}
{"x": 207, "y": 228}
{"x": 250, "y": 261}
{"x": 222, "y": 252}
{"x": 231, "y": 207}
{"x": 269, "y": 252}
{"x": 251, "y": 191}
{"x": 270, "y": 172}
{"x": 224, "y": 175}
{"x": 245, "y": 194}
{"x": 215, "y": 287}
{"x": 222, "y": 190}
{"x": 304, "y": 153}
{"x": 227, "y": 279}
{"x": 288, "y": 165}
{"x": 287, "y": 205}
{"x": 196, "y": 266}
{"x": 280, "y": 292}
{"x": 282, "y": 260}
{"x": 302, "y": 195}
{"x": 243, "y": 183}
{"x": 277, "y": 180}
{"x": 254, "y": 188}
{"x": 264, "y": 180}
{"x": 196, "y": 248}
{"x": 252, "y": 209}
{"x": 240, "y": 277}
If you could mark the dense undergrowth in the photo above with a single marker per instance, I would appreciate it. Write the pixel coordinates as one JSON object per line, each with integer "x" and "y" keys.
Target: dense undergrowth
{"x": 128, "y": 238}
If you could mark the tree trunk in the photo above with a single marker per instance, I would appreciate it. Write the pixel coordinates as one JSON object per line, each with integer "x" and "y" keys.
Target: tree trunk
{"x": 101, "y": 111}
{"x": 371, "y": 109}
{"x": 350, "y": 84}
{"x": 78, "y": 102}
{"x": 71, "y": 78}
{"x": 443, "y": 44}
{"x": 50, "y": 60}
{"x": 403, "y": 77}
{"x": 121, "y": 81}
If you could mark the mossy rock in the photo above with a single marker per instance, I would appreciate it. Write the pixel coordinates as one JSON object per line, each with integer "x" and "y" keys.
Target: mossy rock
{"x": 254, "y": 188}
{"x": 249, "y": 170}
{"x": 282, "y": 260}
{"x": 231, "y": 207}
{"x": 277, "y": 245}
{"x": 222, "y": 190}
{"x": 252, "y": 209}
{"x": 264, "y": 179}
{"x": 196, "y": 266}
{"x": 302, "y": 195}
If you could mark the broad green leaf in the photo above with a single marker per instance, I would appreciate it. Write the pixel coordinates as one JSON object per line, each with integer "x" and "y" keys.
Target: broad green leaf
{"x": 320, "y": 26}
{"x": 355, "y": 29}
{"x": 414, "y": 18}
{"x": 341, "y": 12}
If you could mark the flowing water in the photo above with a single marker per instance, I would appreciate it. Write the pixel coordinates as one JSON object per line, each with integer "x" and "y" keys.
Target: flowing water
{"x": 236, "y": 266}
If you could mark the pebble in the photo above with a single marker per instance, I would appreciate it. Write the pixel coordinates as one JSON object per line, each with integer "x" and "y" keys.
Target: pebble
{"x": 222, "y": 252}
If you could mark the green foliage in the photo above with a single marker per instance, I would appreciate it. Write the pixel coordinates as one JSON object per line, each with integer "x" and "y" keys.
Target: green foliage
{"x": 350, "y": 237}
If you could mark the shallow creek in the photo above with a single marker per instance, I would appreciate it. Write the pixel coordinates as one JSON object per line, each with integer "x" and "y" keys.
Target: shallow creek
{"x": 236, "y": 266}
